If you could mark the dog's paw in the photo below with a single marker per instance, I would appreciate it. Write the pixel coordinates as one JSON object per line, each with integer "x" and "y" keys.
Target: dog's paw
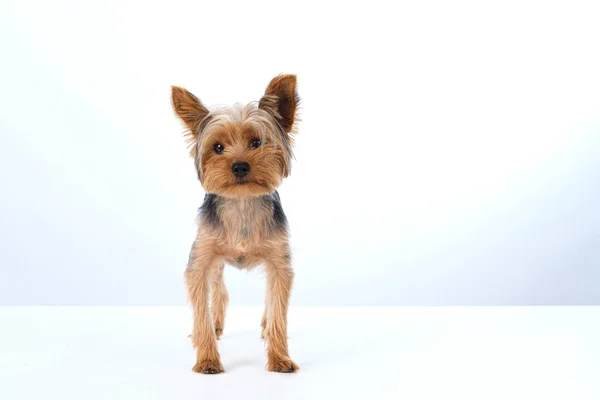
{"x": 208, "y": 367}
{"x": 285, "y": 365}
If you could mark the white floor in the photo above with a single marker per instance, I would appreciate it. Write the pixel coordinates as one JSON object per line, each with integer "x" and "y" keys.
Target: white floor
{"x": 395, "y": 352}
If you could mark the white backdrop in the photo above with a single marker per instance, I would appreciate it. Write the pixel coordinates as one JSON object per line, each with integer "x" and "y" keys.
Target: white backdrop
{"x": 449, "y": 151}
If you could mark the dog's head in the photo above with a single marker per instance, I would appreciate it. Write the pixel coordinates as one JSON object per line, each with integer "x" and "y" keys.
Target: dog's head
{"x": 241, "y": 150}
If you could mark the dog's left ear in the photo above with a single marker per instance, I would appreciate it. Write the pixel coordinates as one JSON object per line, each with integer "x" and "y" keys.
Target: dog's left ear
{"x": 281, "y": 100}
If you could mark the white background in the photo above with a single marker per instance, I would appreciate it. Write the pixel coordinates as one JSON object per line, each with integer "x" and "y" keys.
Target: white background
{"x": 449, "y": 151}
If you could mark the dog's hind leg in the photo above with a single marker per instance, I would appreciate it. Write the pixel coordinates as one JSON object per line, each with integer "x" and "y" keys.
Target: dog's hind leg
{"x": 220, "y": 299}
{"x": 263, "y": 321}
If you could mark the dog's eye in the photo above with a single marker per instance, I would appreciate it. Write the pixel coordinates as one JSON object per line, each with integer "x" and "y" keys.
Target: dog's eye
{"x": 218, "y": 148}
{"x": 255, "y": 143}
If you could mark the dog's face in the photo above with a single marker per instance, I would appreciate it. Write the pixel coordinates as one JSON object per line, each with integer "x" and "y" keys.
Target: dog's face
{"x": 242, "y": 150}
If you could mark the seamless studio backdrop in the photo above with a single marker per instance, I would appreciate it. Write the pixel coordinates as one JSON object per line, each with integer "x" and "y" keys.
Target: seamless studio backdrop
{"x": 449, "y": 153}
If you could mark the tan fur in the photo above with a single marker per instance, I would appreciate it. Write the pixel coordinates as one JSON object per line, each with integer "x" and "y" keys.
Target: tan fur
{"x": 244, "y": 236}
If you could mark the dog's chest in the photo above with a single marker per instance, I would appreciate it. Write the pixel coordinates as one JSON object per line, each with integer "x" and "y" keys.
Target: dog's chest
{"x": 244, "y": 231}
{"x": 245, "y": 223}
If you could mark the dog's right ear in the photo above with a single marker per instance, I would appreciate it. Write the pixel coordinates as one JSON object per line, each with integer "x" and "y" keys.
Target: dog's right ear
{"x": 189, "y": 108}
{"x": 191, "y": 111}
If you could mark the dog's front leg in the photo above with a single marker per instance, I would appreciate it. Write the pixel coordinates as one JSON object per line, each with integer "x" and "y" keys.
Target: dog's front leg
{"x": 198, "y": 274}
{"x": 279, "y": 285}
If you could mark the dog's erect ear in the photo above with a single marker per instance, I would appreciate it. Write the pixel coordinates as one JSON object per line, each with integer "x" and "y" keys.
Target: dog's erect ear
{"x": 281, "y": 100}
{"x": 189, "y": 108}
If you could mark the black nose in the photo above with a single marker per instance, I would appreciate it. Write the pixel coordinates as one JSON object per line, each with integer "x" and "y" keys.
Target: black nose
{"x": 240, "y": 169}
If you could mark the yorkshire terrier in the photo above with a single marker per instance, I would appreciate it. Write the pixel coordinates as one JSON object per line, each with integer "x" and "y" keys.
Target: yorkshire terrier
{"x": 241, "y": 154}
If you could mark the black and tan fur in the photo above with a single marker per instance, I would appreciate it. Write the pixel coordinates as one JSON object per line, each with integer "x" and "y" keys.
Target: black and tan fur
{"x": 241, "y": 220}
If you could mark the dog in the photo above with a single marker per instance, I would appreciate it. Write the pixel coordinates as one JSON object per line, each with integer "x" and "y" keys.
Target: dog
{"x": 241, "y": 154}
